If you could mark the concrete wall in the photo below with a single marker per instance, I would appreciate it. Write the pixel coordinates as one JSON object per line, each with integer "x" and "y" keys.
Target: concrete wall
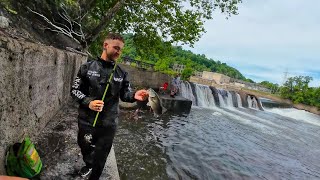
{"x": 35, "y": 81}
{"x": 200, "y": 80}
{"x": 253, "y": 86}
{"x": 207, "y": 75}
{"x": 217, "y": 77}
{"x": 139, "y": 77}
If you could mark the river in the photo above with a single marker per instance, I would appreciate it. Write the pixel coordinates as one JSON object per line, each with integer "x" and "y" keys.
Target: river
{"x": 219, "y": 142}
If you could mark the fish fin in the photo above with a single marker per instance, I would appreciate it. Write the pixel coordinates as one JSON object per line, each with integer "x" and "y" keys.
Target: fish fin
{"x": 148, "y": 104}
{"x": 155, "y": 115}
{"x": 164, "y": 110}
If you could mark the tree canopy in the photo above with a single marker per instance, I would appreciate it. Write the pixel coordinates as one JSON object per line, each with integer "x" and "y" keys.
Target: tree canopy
{"x": 168, "y": 55}
{"x": 86, "y": 21}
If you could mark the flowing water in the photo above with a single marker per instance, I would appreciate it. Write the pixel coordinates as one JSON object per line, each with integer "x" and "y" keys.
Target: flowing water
{"x": 228, "y": 141}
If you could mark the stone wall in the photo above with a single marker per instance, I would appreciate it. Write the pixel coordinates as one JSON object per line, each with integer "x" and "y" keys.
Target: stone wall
{"x": 35, "y": 81}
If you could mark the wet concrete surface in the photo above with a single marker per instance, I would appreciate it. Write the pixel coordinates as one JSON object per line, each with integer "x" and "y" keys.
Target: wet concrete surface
{"x": 59, "y": 151}
{"x": 178, "y": 104}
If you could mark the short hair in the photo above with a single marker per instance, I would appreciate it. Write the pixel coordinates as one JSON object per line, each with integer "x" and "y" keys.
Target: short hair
{"x": 114, "y": 36}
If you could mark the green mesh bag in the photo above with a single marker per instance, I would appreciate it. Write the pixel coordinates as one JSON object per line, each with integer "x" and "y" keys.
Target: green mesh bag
{"x": 23, "y": 160}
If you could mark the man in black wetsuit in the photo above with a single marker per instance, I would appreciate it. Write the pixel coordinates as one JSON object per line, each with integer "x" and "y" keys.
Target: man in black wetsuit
{"x": 88, "y": 88}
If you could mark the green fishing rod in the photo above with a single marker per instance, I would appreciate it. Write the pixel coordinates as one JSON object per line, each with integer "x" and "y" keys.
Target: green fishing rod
{"x": 105, "y": 92}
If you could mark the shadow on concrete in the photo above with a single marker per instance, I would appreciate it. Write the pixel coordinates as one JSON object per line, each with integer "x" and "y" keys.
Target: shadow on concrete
{"x": 59, "y": 151}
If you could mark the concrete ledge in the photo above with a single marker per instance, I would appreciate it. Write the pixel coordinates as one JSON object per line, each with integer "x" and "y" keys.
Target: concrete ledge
{"x": 60, "y": 153}
{"x": 176, "y": 105}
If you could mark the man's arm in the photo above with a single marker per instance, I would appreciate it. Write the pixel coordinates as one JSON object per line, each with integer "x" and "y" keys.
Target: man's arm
{"x": 80, "y": 87}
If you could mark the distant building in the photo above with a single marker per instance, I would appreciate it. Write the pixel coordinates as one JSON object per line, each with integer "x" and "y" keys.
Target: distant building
{"x": 217, "y": 77}
{"x": 197, "y": 73}
{"x": 137, "y": 63}
{"x": 178, "y": 68}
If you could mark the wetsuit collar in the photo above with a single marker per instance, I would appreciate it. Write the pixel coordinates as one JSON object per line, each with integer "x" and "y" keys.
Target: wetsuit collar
{"x": 106, "y": 63}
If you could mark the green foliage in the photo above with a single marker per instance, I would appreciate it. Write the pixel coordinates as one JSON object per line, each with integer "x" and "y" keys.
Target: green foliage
{"x": 201, "y": 63}
{"x": 271, "y": 86}
{"x": 297, "y": 89}
{"x": 249, "y": 80}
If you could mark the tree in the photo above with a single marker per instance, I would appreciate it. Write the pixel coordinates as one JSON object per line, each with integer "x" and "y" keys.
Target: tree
{"x": 151, "y": 21}
{"x": 297, "y": 89}
{"x": 186, "y": 73}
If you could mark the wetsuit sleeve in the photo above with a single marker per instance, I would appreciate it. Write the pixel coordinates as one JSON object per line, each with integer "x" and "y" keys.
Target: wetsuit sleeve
{"x": 80, "y": 87}
{"x": 126, "y": 93}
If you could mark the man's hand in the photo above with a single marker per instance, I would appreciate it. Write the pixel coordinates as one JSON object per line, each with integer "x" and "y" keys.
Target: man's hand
{"x": 96, "y": 105}
{"x": 141, "y": 95}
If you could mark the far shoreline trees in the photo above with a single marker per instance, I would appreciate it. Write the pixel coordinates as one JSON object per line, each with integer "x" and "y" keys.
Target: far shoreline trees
{"x": 298, "y": 91}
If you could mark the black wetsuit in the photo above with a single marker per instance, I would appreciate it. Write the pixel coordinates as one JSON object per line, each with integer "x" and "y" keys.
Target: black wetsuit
{"x": 90, "y": 83}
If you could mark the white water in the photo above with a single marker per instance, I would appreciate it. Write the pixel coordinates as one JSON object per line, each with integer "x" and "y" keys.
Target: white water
{"x": 229, "y": 100}
{"x": 239, "y": 100}
{"x": 300, "y": 115}
{"x": 204, "y": 96}
{"x": 221, "y": 100}
{"x": 205, "y": 99}
{"x": 186, "y": 91}
{"x": 252, "y": 103}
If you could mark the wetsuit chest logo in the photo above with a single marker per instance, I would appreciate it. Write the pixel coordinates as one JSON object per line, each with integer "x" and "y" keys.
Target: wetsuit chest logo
{"x": 118, "y": 79}
{"x": 93, "y": 73}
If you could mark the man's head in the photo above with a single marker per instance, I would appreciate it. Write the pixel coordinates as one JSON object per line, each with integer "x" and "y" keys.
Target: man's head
{"x": 112, "y": 47}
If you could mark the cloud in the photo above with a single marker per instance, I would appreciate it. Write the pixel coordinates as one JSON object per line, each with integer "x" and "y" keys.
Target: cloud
{"x": 266, "y": 39}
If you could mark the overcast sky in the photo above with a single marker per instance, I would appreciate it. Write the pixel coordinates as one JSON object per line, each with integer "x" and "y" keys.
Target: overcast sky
{"x": 266, "y": 39}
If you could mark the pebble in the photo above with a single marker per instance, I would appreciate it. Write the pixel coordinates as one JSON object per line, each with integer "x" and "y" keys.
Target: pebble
{"x": 4, "y": 22}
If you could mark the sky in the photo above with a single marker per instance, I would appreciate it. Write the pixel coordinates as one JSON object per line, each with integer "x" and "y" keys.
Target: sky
{"x": 266, "y": 39}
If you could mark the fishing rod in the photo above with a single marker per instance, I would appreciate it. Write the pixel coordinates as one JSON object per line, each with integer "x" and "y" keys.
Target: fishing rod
{"x": 105, "y": 92}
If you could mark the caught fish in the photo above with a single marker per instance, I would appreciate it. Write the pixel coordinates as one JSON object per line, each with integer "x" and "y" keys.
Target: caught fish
{"x": 155, "y": 103}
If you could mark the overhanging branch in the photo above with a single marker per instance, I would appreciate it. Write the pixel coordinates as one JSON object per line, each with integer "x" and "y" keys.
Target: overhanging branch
{"x": 104, "y": 21}
{"x": 63, "y": 28}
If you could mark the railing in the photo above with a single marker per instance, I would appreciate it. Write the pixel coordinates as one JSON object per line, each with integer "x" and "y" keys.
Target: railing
{"x": 144, "y": 65}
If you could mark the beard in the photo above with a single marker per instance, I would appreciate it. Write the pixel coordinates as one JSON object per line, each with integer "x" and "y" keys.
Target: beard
{"x": 112, "y": 56}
